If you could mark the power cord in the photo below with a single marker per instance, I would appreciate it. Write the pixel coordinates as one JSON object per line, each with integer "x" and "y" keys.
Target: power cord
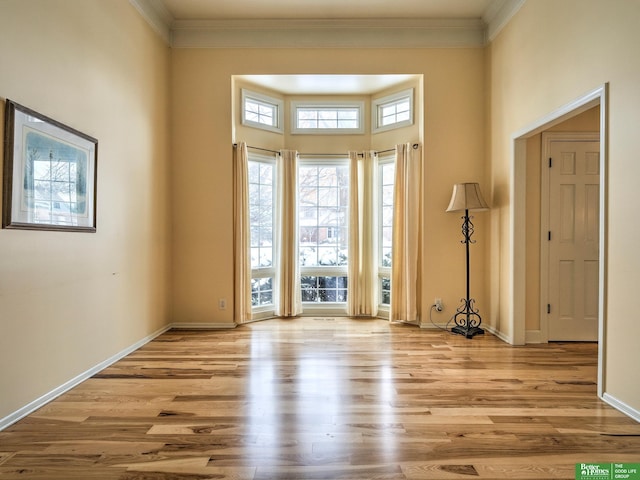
{"x": 446, "y": 327}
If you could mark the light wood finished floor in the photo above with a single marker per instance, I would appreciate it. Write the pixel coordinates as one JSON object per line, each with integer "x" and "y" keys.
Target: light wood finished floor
{"x": 326, "y": 399}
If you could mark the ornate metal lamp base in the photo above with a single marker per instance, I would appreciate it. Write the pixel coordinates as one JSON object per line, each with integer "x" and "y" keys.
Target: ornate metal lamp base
{"x": 467, "y": 319}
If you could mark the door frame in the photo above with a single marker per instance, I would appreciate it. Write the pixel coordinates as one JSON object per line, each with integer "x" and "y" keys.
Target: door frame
{"x": 517, "y": 234}
{"x": 547, "y": 139}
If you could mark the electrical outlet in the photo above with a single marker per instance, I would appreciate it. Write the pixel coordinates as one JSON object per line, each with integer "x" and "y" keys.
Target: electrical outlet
{"x": 438, "y": 304}
{"x": 222, "y": 304}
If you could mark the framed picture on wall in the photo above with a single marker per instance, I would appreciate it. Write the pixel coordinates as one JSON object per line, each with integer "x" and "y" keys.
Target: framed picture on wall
{"x": 49, "y": 176}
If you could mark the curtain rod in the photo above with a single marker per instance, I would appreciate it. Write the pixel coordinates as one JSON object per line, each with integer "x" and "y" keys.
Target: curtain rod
{"x": 235, "y": 145}
{"x": 415, "y": 146}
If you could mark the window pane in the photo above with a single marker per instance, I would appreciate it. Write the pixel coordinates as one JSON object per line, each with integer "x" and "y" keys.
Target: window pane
{"x": 327, "y": 124}
{"x": 346, "y": 114}
{"x": 266, "y": 236}
{"x": 308, "y": 213}
{"x": 387, "y": 216}
{"x": 254, "y": 193}
{"x": 255, "y": 236}
{"x": 255, "y": 257}
{"x": 323, "y": 240}
{"x": 328, "y": 114}
{"x": 403, "y": 106}
{"x": 388, "y": 110}
{"x": 266, "y": 174}
{"x": 402, "y": 117}
{"x": 347, "y": 124}
{"x": 327, "y": 117}
{"x": 388, "y": 174}
{"x": 328, "y": 256}
{"x": 394, "y": 112}
{"x": 305, "y": 114}
{"x": 385, "y": 290}
{"x": 261, "y": 204}
{"x": 254, "y": 173}
{"x": 324, "y": 289}
{"x": 328, "y": 197}
{"x": 261, "y": 292}
{"x": 387, "y": 195}
{"x": 386, "y": 257}
{"x": 261, "y": 112}
{"x": 308, "y": 196}
{"x": 251, "y": 107}
{"x": 327, "y": 176}
{"x": 385, "y": 232}
{"x": 266, "y": 110}
{"x": 266, "y": 195}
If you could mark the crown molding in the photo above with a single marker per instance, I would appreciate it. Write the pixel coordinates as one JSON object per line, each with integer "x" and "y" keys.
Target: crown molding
{"x": 498, "y": 15}
{"x": 323, "y": 33}
{"x": 338, "y": 33}
{"x": 156, "y": 14}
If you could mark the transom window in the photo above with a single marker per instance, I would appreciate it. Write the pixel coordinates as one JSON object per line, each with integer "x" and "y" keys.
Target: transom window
{"x": 393, "y": 111}
{"x": 343, "y": 118}
{"x": 261, "y": 111}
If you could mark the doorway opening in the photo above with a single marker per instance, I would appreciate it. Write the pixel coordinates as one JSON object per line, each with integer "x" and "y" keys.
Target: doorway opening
{"x": 569, "y": 232}
{"x": 518, "y": 243}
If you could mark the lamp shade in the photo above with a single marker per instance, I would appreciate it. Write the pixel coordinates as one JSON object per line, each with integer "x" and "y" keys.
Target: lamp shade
{"x": 467, "y": 196}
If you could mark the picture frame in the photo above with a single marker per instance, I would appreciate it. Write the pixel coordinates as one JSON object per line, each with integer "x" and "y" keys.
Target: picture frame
{"x": 49, "y": 173}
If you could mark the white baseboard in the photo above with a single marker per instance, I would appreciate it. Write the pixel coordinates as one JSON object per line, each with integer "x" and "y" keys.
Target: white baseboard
{"x": 498, "y": 334}
{"x": 622, "y": 407}
{"x": 56, "y": 392}
{"x": 533, "y": 336}
{"x": 202, "y": 326}
{"x": 488, "y": 328}
{"x": 432, "y": 326}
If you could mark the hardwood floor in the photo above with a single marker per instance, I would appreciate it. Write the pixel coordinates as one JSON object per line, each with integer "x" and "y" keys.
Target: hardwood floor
{"x": 327, "y": 399}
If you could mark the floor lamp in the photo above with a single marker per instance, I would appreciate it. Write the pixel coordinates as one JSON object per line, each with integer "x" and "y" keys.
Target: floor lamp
{"x": 467, "y": 197}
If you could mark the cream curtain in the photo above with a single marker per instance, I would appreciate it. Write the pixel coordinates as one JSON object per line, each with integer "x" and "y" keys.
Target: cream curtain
{"x": 241, "y": 236}
{"x": 362, "y": 299}
{"x": 288, "y": 297}
{"x": 407, "y": 232}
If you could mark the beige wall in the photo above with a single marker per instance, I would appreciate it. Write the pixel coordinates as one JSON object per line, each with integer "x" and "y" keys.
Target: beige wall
{"x": 453, "y": 133}
{"x": 69, "y": 301}
{"x": 548, "y": 55}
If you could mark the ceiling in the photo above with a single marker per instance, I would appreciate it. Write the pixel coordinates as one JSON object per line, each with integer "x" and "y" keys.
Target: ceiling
{"x": 327, "y": 84}
{"x": 327, "y": 9}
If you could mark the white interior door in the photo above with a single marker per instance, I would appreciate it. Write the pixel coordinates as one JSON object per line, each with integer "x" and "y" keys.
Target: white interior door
{"x": 573, "y": 240}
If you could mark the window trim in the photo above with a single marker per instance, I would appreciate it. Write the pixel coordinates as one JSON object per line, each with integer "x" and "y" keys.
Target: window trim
{"x": 299, "y": 104}
{"x": 276, "y": 103}
{"x": 378, "y": 103}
